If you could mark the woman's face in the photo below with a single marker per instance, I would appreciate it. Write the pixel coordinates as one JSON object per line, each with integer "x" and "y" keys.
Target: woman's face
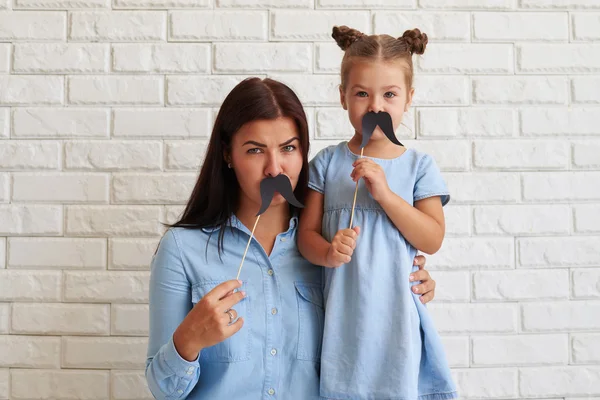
{"x": 264, "y": 148}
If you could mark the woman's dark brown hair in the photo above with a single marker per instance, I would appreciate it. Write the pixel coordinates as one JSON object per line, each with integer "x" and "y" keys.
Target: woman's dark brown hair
{"x": 216, "y": 193}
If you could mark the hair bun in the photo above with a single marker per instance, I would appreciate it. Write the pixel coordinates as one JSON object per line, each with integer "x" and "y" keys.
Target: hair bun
{"x": 415, "y": 40}
{"x": 345, "y": 36}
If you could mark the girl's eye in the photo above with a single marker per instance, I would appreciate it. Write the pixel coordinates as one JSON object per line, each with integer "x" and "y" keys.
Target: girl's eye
{"x": 289, "y": 148}
{"x": 389, "y": 94}
{"x": 361, "y": 94}
{"x": 255, "y": 150}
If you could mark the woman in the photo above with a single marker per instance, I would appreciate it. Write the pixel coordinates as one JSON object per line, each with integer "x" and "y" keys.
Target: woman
{"x": 198, "y": 347}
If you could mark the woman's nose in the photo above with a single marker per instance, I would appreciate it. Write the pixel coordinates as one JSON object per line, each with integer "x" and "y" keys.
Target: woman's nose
{"x": 273, "y": 167}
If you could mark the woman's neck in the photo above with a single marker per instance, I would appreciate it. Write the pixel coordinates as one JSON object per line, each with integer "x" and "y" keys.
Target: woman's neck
{"x": 377, "y": 148}
{"x": 273, "y": 221}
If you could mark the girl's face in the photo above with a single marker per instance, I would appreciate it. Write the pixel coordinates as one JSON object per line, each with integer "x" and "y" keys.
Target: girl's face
{"x": 376, "y": 86}
{"x": 264, "y": 148}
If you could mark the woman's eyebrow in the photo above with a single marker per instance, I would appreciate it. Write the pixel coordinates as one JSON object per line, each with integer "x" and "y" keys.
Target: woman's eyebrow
{"x": 252, "y": 142}
{"x": 290, "y": 141}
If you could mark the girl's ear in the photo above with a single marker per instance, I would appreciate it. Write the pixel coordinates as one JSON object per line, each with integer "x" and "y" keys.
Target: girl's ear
{"x": 411, "y": 93}
{"x": 342, "y": 98}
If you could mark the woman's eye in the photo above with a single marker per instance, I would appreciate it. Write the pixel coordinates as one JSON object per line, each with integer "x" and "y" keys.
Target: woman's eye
{"x": 255, "y": 150}
{"x": 362, "y": 94}
{"x": 390, "y": 95}
{"x": 289, "y": 148}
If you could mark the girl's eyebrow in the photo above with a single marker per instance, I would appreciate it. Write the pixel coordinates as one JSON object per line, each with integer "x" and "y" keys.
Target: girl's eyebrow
{"x": 252, "y": 142}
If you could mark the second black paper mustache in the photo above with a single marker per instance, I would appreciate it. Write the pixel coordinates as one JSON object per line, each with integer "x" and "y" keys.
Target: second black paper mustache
{"x": 280, "y": 183}
{"x": 371, "y": 120}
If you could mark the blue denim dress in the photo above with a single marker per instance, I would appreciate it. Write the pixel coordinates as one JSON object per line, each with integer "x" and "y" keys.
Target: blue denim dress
{"x": 379, "y": 340}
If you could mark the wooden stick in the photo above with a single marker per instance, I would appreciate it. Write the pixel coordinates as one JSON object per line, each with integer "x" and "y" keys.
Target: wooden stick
{"x": 248, "y": 245}
{"x": 355, "y": 192}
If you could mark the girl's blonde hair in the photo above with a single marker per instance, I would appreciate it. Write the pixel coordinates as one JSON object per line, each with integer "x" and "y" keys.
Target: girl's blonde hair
{"x": 357, "y": 45}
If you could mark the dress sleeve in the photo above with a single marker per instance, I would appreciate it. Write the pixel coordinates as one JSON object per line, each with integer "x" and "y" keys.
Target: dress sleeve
{"x": 318, "y": 169}
{"x": 169, "y": 376}
{"x": 429, "y": 181}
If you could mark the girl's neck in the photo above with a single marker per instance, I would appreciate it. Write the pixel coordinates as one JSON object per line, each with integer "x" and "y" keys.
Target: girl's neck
{"x": 376, "y": 148}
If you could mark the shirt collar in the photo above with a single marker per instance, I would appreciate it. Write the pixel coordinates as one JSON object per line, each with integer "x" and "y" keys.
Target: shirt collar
{"x": 234, "y": 222}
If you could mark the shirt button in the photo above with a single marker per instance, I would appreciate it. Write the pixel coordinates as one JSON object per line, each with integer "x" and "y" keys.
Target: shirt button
{"x": 190, "y": 369}
{"x": 270, "y": 272}
{"x": 283, "y": 239}
{"x": 271, "y": 392}
{"x": 180, "y": 391}
{"x": 273, "y": 311}
{"x": 273, "y": 352}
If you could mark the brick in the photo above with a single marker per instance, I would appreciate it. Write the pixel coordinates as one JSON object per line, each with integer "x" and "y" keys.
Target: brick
{"x": 19, "y": 155}
{"x": 345, "y": 4}
{"x": 587, "y": 218}
{"x": 185, "y": 154}
{"x": 559, "y": 121}
{"x": 585, "y": 154}
{"x": 314, "y": 25}
{"x": 262, "y": 57}
{"x": 152, "y": 188}
{"x": 30, "y": 285}
{"x": 110, "y": 352}
{"x": 68, "y": 58}
{"x": 586, "y": 348}
{"x": 4, "y": 123}
{"x": 449, "y": 155}
{"x": 522, "y": 219}
{"x": 4, "y": 378}
{"x": 457, "y": 350}
{"x": 560, "y": 316}
{"x": 466, "y": 4}
{"x": 131, "y": 253}
{"x": 473, "y": 122}
{"x": 520, "y": 26}
{"x": 117, "y": 26}
{"x": 30, "y": 220}
{"x": 4, "y": 317}
{"x": 467, "y": 58}
{"x": 265, "y": 3}
{"x": 4, "y": 188}
{"x": 29, "y": 90}
{"x": 500, "y": 187}
{"x": 56, "y": 253}
{"x": 63, "y": 188}
{"x": 31, "y": 25}
{"x": 333, "y": 123}
{"x": 165, "y": 123}
{"x": 173, "y": 214}
{"x": 559, "y": 251}
{"x": 218, "y": 25}
{"x": 440, "y": 90}
{"x": 519, "y": 90}
{"x": 129, "y": 385}
{"x": 59, "y": 384}
{"x": 585, "y": 90}
{"x": 61, "y": 319}
{"x": 452, "y": 286}
{"x": 541, "y": 58}
{"x": 29, "y": 352}
{"x": 459, "y": 253}
{"x": 533, "y": 155}
{"x": 200, "y": 90}
{"x": 117, "y": 90}
{"x": 560, "y": 186}
{"x": 130, "y": 319}
{"x": 438, "y": 26}
{"x": 521, "y": 285}
{"x": 458, "y": 220}
{"x": 2, "y": 253}
{"x": 474, "y": 318}
{"x": 5, "y": 57}
{"x": 113, "y": 155}
{"x": 161, "y": 4}
{"x": 562, "y": 4}
{"x": 328, "y": 58}
{"x": 586, "y": 26}
{"x": 520, "y": 350}
{"x": 31, "y": 123}
{"x": 586, "y": 283}
{"x": 60, "y": 4}
{"x": 113, "y": 220}
{"x": 161, "y": 58}
{"x": 487, "y": 383}
{"x": 559, "y": 381}
{"x": 107, "y": 287}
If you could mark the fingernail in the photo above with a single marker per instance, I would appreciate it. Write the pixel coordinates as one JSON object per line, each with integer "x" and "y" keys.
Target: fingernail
{"x": 240, "y": 281}
{"x": 243, "y": 293}
{"x": 416, "y": 289}
{"x": 411, "y": 278}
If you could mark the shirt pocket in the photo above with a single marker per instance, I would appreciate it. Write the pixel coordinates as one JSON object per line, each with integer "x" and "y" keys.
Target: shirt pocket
{"x": 311, "y": 316}
{"x": 236, "y": 347}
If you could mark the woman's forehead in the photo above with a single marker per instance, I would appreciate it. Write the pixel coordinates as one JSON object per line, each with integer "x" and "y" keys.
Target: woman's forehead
{"x": 267, "y": 131}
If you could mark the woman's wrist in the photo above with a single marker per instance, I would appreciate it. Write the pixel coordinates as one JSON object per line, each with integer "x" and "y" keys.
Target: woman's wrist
{"x": 182, "y": 346}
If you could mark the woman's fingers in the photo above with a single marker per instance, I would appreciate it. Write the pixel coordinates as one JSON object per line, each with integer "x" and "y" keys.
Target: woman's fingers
{"x": 231, "y": 300}
{"x": 222, "y": 290}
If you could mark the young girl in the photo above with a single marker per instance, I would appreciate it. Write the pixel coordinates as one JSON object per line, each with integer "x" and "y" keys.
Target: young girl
{"x": 379, "y": 341}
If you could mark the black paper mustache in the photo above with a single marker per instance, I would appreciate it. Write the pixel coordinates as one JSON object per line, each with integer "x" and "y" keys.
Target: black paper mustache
{"x": 280, "y": 183}
{"x": 370, "y": 122}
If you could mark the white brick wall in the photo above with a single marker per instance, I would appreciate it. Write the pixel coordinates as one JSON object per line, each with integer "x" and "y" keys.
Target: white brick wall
{"x": 106, "y": 108}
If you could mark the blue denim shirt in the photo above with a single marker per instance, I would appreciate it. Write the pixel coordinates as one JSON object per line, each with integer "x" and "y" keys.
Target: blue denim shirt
{"x": 275, "y": 355}
{"x": 380, "y": 341}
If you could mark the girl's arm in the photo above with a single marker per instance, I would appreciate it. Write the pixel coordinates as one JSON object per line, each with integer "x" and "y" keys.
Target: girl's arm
{"x": 311, "y": 244}
{"x": 423, "y": 225}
